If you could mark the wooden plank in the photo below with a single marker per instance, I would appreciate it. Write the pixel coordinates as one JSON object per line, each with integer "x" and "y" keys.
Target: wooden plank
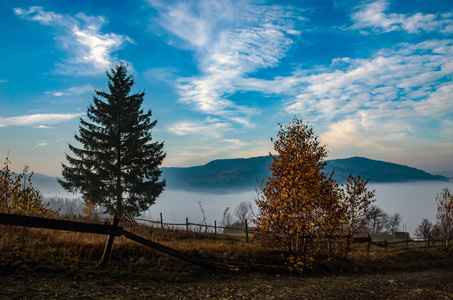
{"x": 176, "y": 253}
{"x": 18, "y": 220}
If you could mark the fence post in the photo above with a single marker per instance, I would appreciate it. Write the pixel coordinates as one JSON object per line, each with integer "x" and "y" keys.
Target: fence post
{"x": 386, "y": 245}
{"x": 108, "y": 246}
{"x": 368, "y": 246}
{"x": 187, "y": 224}
{"x": 407, "y": 240}
{"x": 161, "y": 221}
{"x": 246, "y": 231}
{"x": 215, "y": 229}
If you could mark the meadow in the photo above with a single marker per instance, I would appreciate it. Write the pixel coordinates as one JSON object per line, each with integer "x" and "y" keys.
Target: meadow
{"x": 60, "y": 263}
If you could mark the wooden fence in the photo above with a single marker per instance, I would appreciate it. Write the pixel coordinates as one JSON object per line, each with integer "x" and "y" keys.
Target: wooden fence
{"x": 105, "y": 229}
{"x": 215, "y": 229}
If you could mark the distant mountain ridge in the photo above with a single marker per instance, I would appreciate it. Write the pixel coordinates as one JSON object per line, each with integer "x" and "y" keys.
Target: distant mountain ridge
{"x": 246, "y": 173}
{"x": 224, "y": 175}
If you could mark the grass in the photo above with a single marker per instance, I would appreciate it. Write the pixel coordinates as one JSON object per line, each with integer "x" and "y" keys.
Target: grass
{"x": 76, "y": 254}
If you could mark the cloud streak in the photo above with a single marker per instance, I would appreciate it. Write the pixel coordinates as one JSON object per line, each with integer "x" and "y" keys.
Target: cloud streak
{"x": 90, "y": 50}
{"x": 28, "y": 120}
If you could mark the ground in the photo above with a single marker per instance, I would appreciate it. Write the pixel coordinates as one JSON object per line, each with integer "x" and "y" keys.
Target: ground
{"x": 429, "y": 284}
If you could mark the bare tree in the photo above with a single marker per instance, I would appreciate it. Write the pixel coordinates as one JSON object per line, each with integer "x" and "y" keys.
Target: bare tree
{"x": 377, "y": 220}
{"x": 227, "y": 219}
{"x": 243, "y": 212}
{"x": 393, "y": 223}
{"x": 424, "y": 230}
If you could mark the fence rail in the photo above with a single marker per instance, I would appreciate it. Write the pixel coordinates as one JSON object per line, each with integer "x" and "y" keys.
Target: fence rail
{"x": 106, "y": 229}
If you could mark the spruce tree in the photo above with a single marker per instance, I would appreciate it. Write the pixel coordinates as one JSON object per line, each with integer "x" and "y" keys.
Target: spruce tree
{"x": 118, "y": 164}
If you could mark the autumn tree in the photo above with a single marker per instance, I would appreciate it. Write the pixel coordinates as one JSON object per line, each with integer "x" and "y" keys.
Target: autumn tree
{"x": 117, "y": 165}
{"x": 445, "y": 214}
{"x": 299, "y": 204}
{"x": 356, "y": 201}
{"x": 19, "y": 196}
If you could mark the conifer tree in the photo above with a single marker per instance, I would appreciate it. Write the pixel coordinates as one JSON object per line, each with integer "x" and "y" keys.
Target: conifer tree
{"x": 117, "y": 165}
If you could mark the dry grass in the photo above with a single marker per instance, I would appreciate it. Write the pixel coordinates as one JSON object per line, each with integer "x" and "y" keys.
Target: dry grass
{"x": 76, "y": 254}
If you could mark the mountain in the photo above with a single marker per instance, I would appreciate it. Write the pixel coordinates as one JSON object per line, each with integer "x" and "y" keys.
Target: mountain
{"x": 227, "y": 175}
{"x": 448, "y": 174}
{"x": 241, "y": 173}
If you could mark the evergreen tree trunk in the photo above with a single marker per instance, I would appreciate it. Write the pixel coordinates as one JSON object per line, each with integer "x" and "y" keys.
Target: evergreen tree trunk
{"x": 108, "y": 246}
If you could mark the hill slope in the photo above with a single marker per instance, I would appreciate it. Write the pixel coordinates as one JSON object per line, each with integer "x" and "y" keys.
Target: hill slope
{"x": 247, "y": 173}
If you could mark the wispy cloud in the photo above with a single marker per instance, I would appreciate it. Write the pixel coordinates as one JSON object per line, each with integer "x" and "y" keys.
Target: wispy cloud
{"x": 3, "y": 80}
{"x": 77, "y": 90}
{"x": 41, "y": 144}
{"x": 232, "y": 39}
{"x": 80, "y": 35}
{"x": 210, "y": 129}
{"x": 28, "y": 120}
{"x": 373, "y": 15}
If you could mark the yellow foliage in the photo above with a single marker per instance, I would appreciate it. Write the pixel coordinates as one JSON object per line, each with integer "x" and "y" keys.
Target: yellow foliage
{"x": 18, "y": 196}
{"x": 299, "y": 205}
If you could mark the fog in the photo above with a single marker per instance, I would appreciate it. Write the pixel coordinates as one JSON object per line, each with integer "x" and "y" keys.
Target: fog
{"x": 414, "y": 201}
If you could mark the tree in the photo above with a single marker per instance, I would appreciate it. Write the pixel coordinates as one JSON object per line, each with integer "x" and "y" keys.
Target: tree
{"x": 445, "y": 214}
{"x": 243, "y": 212}
{"x": 357, "y": 201}
{"x": 393, "y": 223}
{"x": 299, "y": 204}
{"x": 424, "y": 230}
{"x": 377, "y": 220}
{"x": 18, "y": 196}
{"x": 117, "y": 165}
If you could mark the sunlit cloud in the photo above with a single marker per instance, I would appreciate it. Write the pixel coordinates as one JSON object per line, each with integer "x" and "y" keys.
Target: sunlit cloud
{"x": 89, "y": 49}
{"x": 27, "y": 120}
{"x": 373, "y": 15}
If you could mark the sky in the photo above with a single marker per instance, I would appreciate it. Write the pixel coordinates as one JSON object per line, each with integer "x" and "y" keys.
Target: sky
{"x": 373, "y": 78}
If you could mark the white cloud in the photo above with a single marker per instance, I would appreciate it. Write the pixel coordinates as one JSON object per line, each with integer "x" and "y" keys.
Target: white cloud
{"x": 414, "y": 74}
{"x": 211, "y": 129}
{"x": 373, "y": 15}
{"x": 41, "y": 144}
{"x": 80, "y": 35}
{"x": 37, "y": 119}
{"x": 232, "y": 39}
{"x": 76, "y": 90}
{"x": 41, "y": 127}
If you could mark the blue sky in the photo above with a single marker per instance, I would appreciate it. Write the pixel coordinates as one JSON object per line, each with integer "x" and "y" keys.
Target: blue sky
{"x": 373, "y": 78}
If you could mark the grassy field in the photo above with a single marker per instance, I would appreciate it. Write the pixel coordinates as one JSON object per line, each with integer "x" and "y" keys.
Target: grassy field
{"x": 29, "y": 256}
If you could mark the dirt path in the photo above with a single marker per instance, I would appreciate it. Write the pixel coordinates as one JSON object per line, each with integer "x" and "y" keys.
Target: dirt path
{"x": 432, "y": 284}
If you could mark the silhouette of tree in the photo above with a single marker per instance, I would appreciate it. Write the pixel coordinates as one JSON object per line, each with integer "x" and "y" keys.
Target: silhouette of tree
{"x": 117, "y": 165}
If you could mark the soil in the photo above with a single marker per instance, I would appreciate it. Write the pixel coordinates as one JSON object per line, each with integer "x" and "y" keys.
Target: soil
{"x": 429, "y": 284}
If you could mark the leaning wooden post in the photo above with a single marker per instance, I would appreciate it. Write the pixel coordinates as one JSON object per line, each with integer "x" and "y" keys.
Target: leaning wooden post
{"x": 108, "y": 246}
{"x": 246, "y": 231}
{"x": 187, "y": 224}
{"x": 161, "y": 221}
